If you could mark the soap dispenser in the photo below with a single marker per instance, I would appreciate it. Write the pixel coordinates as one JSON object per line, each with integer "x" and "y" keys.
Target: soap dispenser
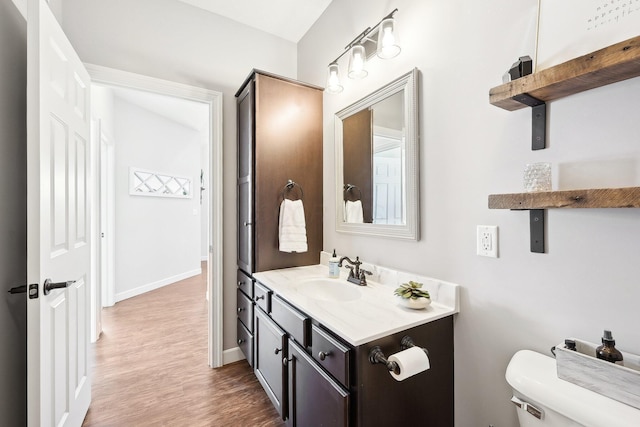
{"x": 607, "y": 351}
{"x": 334, "y": 268}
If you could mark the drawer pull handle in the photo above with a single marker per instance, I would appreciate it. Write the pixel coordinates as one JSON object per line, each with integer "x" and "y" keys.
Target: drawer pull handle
{"x": 322, "y": 355}
{"x": 240, "y": 309}
{"x": 277, "y": 350}
{"x": 240, "y": 341}
{"x": 259, "y": 297}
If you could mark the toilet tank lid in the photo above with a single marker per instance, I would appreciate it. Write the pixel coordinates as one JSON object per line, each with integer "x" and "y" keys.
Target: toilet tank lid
{"x": 534, "y": 377}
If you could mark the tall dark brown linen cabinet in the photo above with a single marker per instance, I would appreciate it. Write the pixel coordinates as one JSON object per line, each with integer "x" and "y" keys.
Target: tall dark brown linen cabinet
{"x": 279, "y": 140}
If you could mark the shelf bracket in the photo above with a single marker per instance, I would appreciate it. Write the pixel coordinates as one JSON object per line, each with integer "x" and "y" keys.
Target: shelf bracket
{"x": 538, "y": 119}
{"x": 536, "y": 229}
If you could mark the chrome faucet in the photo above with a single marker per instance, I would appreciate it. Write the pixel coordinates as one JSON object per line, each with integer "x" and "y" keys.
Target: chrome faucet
{"x": 357, "y": 275}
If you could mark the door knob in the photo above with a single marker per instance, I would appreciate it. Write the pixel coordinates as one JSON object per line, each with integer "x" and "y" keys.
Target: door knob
{"x": 49, "y": 285}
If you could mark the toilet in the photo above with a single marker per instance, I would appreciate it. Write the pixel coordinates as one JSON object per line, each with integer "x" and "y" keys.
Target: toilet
{"x": 544, "y": 400}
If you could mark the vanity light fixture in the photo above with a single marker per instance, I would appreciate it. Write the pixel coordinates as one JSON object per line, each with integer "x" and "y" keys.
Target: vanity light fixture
{"x": 382, "y": 38}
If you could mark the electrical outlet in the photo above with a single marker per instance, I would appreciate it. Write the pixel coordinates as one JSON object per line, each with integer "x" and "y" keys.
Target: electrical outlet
{"x": 487, "y": 240}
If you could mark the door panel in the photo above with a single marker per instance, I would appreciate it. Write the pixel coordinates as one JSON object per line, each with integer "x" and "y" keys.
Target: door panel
{"x": 59, "y": 385}
{"x": 314, "y": 398}
{"x": 270, "y": 349}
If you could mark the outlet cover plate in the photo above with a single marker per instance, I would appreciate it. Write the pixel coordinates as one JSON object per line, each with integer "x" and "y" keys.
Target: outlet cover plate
{"x": 487, "y": 240}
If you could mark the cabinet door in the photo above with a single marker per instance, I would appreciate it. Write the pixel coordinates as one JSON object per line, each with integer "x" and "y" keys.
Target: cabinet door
{"x": 314, "y": 398}
{"x": 246, "y": 149}
{"x": 270, "y": 348}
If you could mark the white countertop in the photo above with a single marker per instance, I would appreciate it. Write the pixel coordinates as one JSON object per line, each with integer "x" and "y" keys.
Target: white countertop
{"x": 375, "y": 314}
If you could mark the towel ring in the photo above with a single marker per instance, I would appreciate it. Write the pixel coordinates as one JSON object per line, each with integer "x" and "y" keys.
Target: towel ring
{"x": 348, "y": 188}
{"x": 289, "y": 186}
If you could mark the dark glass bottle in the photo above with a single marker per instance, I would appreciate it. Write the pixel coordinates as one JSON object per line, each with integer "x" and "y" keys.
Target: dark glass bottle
{"x": 607, "y": 351}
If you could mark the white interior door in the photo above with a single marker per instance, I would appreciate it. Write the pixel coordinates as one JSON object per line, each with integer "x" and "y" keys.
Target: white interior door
{"x": 58, "y": 243}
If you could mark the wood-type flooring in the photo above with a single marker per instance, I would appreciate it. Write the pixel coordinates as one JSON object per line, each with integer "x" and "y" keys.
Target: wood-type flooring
{"x": 151, "y": 367}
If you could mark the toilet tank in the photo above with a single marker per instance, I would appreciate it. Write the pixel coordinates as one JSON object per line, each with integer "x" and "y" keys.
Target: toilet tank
{"x": 537, "y": 390}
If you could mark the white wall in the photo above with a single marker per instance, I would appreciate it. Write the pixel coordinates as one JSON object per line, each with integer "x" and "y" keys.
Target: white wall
{"x": 13, "y": 215}
{"x": 587, "y": 281}
{"x": 171, "y": 40}
{"x": 157, "y": 238}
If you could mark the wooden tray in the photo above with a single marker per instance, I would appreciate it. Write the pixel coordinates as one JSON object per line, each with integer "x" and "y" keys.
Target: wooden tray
{"x": 583, "y": 368}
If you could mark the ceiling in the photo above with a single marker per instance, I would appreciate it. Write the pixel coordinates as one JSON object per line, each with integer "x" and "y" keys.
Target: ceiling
{"x": 192, "y": 114}
{"x": 288, "y": 19}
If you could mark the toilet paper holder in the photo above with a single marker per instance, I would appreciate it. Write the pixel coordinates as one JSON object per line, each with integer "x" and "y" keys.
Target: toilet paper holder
{"x": 376, "y": 355}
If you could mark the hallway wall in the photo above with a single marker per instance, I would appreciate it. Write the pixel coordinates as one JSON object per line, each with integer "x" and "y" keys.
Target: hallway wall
{"x": 157, "y": 239}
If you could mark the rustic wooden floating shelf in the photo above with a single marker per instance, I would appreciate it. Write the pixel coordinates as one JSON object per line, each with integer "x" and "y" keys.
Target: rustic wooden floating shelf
{"x": 628, "y": 197}
{"x": 611, "y": 64}
{"x": 537, "y": 203}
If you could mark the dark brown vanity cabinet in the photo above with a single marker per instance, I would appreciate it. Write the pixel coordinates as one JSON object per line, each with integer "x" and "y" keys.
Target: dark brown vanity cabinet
{"x": 298, "y": 384}
{"x": 315, "y": 379}
{"x": 279, "y": 139}
{"x": 279, "y": 124}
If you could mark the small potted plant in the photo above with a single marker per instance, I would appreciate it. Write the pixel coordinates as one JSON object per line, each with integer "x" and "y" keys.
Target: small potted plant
{"x": 412, "y": 296}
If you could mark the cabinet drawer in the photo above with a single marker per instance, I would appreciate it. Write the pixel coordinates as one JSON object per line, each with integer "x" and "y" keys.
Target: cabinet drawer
{"x": 330, "y": 354}
{"x": 245, "y": 310}
{"x": 245, "y": 284}
{"x": 291, "y": 320}
{"x": 245, "y": 342}
{"x": 262, "y": 296}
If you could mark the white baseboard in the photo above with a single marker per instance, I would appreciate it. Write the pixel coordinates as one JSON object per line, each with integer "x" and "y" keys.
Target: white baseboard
{"x": 155, "y": 285}
{"x": 232, "y": 355}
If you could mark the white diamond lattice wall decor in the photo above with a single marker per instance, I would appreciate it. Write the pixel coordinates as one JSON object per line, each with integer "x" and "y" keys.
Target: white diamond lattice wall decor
{"x": 147, "y": 183}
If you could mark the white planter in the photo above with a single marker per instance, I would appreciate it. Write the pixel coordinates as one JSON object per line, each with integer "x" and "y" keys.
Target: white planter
{"x": 415, "y": 304}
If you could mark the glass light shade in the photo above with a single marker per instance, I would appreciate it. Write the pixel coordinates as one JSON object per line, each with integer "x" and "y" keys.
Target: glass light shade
{"x": 333, "y": 79}
{"x": 357, "y": 61}
{"x": 388, "y": 46}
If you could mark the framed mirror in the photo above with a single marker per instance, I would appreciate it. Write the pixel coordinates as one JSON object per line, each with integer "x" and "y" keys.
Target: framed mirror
{"x": 377, "y": 162}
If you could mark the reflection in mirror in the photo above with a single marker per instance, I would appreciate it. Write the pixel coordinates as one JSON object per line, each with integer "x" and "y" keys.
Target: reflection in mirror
{"x": 376, "y": 162}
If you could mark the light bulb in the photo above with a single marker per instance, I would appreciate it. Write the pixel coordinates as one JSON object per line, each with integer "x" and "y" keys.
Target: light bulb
{"x": 388, "y": 46}
{"x": 333, "y": 79}
{"x": 357, "y": 62}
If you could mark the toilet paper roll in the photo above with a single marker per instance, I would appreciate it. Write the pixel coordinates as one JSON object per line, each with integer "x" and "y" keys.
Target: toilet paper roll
{"x": 411, "y": 361}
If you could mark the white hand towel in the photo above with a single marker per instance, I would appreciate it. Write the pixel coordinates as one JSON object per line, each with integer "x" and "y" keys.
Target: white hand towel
{"x": 353, "y": 211}
{"x": 292, "y": 229}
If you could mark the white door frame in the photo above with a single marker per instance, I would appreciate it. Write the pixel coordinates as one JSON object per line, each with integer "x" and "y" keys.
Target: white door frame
{"x": 110, "y": 76}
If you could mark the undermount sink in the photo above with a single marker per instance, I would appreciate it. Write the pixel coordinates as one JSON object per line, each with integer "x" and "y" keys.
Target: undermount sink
{"x": 328, "y": 289}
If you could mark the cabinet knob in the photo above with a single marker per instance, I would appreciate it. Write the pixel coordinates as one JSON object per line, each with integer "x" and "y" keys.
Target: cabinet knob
{"x": 322, "y": 355}
{"x": 240, "y": 341}
{"x": 286, "y": 361}
{"x": 277, "y": 350}
{"x": 240, "y": 309}
{"x": 246, "y": 224}
{"x": 259, "y": 297}
{"x": 240, "y": 283}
